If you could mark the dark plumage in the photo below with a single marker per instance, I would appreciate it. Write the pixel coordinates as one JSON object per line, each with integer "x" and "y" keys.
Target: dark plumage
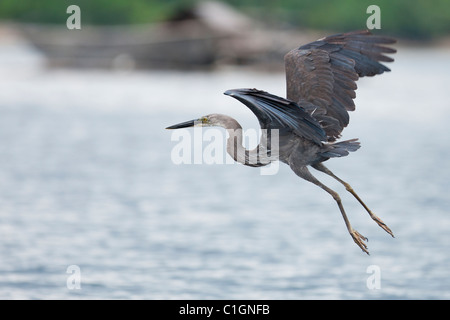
{"x": 321, "y": 76}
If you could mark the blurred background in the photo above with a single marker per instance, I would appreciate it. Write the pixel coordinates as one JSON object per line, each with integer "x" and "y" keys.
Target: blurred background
{"x": 87, "y": 179}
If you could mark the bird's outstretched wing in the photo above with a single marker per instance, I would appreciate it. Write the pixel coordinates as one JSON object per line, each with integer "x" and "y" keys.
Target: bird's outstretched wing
{"x": 274, "y": 112}
{"x": 321, "y": 76}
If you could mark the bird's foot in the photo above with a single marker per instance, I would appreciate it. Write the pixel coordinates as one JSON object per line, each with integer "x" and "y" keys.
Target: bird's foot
{"x": 359, "y": 240}
{"x": 382, "y": 224}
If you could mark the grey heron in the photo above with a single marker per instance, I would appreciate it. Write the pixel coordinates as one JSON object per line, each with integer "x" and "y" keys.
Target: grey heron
{"x": 321, "y": 82}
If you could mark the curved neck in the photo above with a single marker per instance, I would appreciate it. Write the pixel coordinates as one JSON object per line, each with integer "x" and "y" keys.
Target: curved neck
{"x": 256, "y": 157}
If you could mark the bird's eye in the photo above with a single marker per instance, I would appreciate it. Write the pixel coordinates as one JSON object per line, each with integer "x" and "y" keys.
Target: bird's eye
{"x": 204, "y": 120}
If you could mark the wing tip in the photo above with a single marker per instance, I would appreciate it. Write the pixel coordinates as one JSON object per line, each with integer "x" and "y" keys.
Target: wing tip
{"x": 234, "y": 92}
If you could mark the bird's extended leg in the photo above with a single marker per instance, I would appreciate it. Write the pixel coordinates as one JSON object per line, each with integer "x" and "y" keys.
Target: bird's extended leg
{"x": 380, "y": 222}
{"x": 359, "y": 239}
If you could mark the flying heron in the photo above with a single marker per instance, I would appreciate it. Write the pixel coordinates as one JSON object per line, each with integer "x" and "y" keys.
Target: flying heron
{"x": 321, "y": 82}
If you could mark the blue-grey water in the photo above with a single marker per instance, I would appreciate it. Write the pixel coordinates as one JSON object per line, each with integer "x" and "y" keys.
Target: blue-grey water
{"x": 87, "y": 183}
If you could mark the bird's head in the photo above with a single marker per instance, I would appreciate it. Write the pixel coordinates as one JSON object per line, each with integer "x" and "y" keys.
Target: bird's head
{"x": 209, "y": 120}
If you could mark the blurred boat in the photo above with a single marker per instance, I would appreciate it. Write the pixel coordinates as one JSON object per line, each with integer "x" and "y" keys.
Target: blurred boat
{"x": 200, "y": 37}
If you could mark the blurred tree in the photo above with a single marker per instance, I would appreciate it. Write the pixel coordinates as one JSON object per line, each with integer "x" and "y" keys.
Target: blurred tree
{"x": 420, "y": 19}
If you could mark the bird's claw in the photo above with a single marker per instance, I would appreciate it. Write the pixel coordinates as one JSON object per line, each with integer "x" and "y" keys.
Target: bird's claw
{"x": 383, "y": 225}
{"x": 359, "y": 240}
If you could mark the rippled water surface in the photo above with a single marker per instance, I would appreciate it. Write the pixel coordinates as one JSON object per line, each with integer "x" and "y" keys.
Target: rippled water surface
{"x": 87, "y": 180}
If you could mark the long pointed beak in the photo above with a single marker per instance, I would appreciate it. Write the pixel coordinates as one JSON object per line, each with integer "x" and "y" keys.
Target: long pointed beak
{"x": 185, "y": 124}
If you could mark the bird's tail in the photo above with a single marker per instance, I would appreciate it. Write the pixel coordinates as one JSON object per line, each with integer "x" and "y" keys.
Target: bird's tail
{"x": 341, "y": 149}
